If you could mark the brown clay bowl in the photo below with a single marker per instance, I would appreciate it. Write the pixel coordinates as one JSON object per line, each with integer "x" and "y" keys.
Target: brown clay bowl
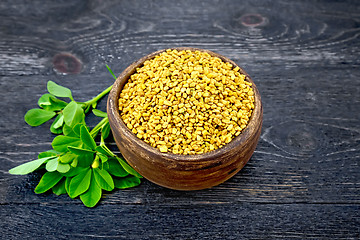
{"x": 176, "y": 171}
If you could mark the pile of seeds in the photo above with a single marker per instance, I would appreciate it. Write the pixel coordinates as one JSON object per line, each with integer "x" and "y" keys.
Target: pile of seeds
{"x": 186, "y": 102}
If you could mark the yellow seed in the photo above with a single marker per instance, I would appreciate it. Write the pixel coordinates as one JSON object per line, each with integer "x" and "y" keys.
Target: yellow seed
{"x": 186, "y": 99}
{"x": 188, "y": 135}
{"x": 168, "y": 103}
{"x": 163, "y": 148}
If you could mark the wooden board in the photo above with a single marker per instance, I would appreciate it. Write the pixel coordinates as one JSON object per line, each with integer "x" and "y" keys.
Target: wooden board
{"x": 199, "y": 221}
{"x": 303, "y": 180}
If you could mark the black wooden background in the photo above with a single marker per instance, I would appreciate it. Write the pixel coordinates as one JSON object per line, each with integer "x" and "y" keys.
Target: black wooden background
{"x": 303, "y": 180}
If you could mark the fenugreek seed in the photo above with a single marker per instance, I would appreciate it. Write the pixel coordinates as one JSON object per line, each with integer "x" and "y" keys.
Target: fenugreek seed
{"x": 168, "y": 103}
{"x": 186, "y": 102}
{"x": 188, "y": 135}
{"x": 163, "y": 148}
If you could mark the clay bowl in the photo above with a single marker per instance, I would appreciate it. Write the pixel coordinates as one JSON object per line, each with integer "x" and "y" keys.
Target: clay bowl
{"x": 183, "y": 172}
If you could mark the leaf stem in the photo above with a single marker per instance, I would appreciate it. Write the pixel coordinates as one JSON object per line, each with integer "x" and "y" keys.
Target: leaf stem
{"x": 96, "y": 130}
{"x": 107, "y": 150}
{"x": 98, "y": 126}
{"x": 108, "y": 68}
{"x": 98, "y": 97}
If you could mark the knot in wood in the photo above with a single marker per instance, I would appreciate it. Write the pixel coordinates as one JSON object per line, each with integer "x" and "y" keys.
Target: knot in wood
{"x": 253, "y": 20}
{"x": 66, "y": 63}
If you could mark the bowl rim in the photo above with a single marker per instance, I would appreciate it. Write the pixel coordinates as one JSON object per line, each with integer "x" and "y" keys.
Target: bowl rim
{"x": 113, "y": 108}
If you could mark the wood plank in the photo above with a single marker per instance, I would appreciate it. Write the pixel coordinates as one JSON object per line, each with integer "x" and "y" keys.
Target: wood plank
{"x": 306, "y": 33}
{"x": 303, "y": 180}
{"x": 207, "y": 221}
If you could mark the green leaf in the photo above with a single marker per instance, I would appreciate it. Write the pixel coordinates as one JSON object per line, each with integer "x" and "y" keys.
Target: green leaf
{"x": 72, "y": 131}
{"x": 48, "y": 180}
{"x": 76, "y": 129}
{"x": 128, "y": 168}
{"x": 57, "y": 124}
{"x": 105, "y": 130}
{"x": 49, "y": 153}
{"x": 93, "y": 195}
{"x": 73, "y": 114}
{"x": 99, "y": 113}
{"x": 86, "y": 138}
{"x": 44, "y": 100}
{"x": 59, "y": 188}
{"x": 108, "y": 68}
{"x": 103, "y": 179}
{"x": 67, "y": 158}
{"x": 58, "y": 90}
{"x": 57, "y": 104}
{"x": 59, "y": 121}
{"x": 75, "y": 171}
{"x": 115, "y": 169}
{"x": 85, "y": 160}
{"x": 126, "y": 182}
{"x": 29, "y": 167}
{"x": 36, "y": 116}
{"x": 80, "y": 183}
{"x": 61, "y": 143}
{"x": 52, "y": 165}
{"x": 67, "y": 184}
{"x": 68, "y": 131}
{"x": 103, "y": 150}
{"x": 94, "y": 104}
{"x": 80, "y": 151}
{"x": 63, "y": 167}
{"x": 74, "y": 163}
{"x": 96, "y": 162}
{"x": 51, "y": 103}
{"x": 103, "y": 157}
{"x": 55, "y": 131}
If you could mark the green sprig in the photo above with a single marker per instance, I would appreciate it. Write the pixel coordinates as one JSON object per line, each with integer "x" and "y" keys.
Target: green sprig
{"x": 77, "y": 165}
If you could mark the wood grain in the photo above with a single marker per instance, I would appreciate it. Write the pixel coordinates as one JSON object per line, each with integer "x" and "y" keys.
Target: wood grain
{"x": 222, "y": 221}
{"x": 303, "y": 180}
